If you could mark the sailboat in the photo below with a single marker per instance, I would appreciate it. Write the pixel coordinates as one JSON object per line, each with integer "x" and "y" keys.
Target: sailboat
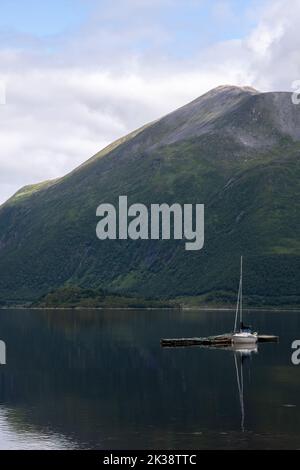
{"x": 243, "y": 334}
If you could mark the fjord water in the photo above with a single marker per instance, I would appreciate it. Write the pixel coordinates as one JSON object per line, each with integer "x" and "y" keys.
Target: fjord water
{"x": 100, "y": 380}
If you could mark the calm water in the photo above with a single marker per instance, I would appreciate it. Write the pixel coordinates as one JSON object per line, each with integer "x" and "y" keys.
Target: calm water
{"x": 99, "y": 379}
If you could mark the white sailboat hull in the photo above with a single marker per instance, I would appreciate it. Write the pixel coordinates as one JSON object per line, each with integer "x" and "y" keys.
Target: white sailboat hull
{"x": 244, "y": 338}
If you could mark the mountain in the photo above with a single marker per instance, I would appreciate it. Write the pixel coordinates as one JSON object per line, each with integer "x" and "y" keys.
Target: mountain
{"x": 234, "y": 149}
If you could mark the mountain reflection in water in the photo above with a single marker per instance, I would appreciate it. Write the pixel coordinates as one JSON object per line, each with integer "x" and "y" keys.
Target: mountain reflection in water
{"x": 99, "y": 379}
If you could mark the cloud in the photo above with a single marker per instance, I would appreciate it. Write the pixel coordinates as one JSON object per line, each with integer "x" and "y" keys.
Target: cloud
{"x": 69, "y": 96}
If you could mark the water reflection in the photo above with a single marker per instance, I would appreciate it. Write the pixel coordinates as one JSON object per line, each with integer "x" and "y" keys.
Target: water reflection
{"x": 13, "y": 435}
{"x": 241, "y": 353}
{"x": 100, "y": 380}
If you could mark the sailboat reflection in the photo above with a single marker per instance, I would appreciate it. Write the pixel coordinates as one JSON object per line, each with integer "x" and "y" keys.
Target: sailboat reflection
{"x": 242, "y": 353}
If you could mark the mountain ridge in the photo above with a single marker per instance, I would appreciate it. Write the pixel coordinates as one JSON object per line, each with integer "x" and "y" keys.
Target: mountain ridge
{"x": 245, "y": 91}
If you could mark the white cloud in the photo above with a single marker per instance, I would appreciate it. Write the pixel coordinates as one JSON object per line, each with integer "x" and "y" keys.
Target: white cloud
{"x": 69, "y": 97}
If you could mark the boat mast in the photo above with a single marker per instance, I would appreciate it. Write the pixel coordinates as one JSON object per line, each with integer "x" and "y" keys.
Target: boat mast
{"x": 238, "y": 304}
{"x": 241, "y": 294}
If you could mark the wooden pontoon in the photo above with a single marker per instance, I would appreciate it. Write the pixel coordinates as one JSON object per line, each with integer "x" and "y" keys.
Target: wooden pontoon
{"x": 220, "y": 340}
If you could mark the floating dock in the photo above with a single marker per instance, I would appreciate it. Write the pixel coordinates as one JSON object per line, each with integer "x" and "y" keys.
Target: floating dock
{"x": 220, "y": 340}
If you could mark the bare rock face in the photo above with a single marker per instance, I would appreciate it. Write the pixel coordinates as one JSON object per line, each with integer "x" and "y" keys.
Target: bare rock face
{"x": 255, "y": 119}
{"x": 285, "y": 113}
{"x": 202, "y": 115}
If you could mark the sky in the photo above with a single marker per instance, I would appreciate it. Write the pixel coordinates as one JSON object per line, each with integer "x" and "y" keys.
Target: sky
{"x": 77, "y": 74}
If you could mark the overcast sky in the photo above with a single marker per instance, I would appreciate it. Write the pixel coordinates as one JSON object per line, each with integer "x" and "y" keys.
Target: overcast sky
{"x": 77, "y": 74}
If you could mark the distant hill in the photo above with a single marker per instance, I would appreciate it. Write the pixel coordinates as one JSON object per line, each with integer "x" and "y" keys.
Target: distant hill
{"x": 77, "y": 297}
{"x": 233, "y": 149}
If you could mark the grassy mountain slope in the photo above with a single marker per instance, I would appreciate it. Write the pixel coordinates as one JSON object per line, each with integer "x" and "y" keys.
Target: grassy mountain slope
{"x": 234, "y": 149}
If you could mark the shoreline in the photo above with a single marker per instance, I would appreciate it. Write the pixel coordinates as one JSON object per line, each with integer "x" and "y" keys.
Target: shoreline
{"x": 263, "y": 309}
